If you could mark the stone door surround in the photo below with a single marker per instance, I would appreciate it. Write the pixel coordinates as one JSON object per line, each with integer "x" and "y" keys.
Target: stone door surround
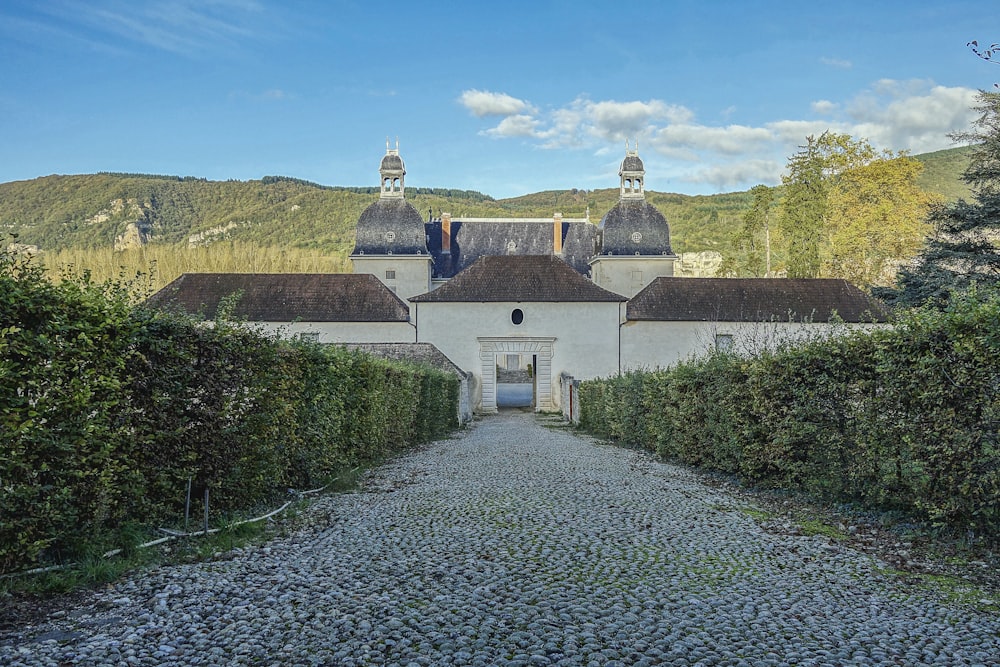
{"x": 540, "y": 347}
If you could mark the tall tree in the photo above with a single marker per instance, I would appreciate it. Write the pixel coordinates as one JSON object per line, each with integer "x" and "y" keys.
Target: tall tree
{"x": 803, "y": 213}
{"x": 753, "y": 240}
{"x": 877, "y": 219}
{"x": 851, "y": 211}
{"x": 963, "y": 248}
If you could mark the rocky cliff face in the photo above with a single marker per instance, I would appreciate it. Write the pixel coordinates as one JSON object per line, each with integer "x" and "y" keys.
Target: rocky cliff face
{"x": 698, "y": 264}
{"x": 134, "y": 236}
{"x": 134, "y": 215}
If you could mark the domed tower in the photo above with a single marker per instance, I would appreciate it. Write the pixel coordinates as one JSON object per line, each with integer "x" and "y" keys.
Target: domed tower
{"x": 390, "y": 240}
{"x": 634, "y": 238}
{"x": 393, "y": 172}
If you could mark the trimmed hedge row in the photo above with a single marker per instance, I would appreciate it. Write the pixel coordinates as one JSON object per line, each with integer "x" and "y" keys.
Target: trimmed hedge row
{"x": 106, "y": 411}
{"x": 903, "y": 418}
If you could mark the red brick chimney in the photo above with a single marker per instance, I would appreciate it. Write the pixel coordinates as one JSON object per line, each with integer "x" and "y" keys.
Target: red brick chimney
{"x": 446, "y": 232}
{"x": 557, "y": 234}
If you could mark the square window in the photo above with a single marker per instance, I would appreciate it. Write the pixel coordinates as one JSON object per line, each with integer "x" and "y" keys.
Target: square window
{"x": 390, "y": 274}
{"x": 723, "y": 342}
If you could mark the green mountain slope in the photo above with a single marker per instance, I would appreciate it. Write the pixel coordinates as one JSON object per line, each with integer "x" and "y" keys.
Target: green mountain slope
{"x": 943, "y": 171}
{"x": 92, "y": 211}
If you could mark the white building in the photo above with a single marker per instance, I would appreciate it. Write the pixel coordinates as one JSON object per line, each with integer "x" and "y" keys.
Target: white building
{"x": 559, "y": 297}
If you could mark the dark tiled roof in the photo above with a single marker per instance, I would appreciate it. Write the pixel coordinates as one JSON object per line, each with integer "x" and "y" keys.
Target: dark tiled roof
{"x": 390, "y": 226}
{"x": 392, "y": 162}
{"x": 631, "y": 216}
{"x": 632, "y": 163}
{"x": 472, "y": 240}
{"x": 753, "y": 300}
{"x": 421, "y": 352}
{"x": 519, "y": 278}
{"x": 286, "y": 297}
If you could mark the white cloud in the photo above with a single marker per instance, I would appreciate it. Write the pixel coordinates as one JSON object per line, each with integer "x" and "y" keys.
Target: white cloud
{"x": 839, "y": 63}
{"x": 899, "y": 115}
{"x": 824, "y": 107}
{"x": 794, "y": 132}
{"x": 620, "y": 120}
{"x": 920, "y": 121}
{"x": 183, "y": 27}
{"x": 485, "y": 103}
{"x": 731, "y": 140}
{"x": 731, "y": 176}
{"x": 272, "y": 95}
{"x": 514, "y": 126}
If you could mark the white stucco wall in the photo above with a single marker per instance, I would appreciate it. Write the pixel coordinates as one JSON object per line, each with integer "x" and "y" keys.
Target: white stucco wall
{"x": 583, "y": 336}
{"x": 627, "y": 275}
{"x": 344, "y": 332}
{"x": 413, "y": 273}
{"x": 661, "y": 344}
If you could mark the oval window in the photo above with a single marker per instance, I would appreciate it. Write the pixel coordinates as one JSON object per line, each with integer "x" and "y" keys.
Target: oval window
{"x": 517, "y": 316}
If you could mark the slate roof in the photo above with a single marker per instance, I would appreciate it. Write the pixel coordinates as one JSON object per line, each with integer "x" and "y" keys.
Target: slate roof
{"x": 420, "y": 352}
{"x": 390, "y": 226}
{"x": 753, "y": 300}
{"x": 392, "y": 162}
{"x": 632, "y": 163}
{"x": 286, "y": 297}
{"x": 517, "y": 278}
{"x": 472, "y": 240}
{"x": 631, "y": 216}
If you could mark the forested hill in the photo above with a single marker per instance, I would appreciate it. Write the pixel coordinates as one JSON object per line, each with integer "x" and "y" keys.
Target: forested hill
{"x": 93, "y": 211}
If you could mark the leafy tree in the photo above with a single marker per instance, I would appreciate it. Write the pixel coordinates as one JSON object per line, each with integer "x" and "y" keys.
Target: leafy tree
{"x": 963, "y": 248}
{"x": 803, "y": 214}
{"x": 851, "y": 212}
{"x": 753, "y": 240}
{"x": 877, "y": 217}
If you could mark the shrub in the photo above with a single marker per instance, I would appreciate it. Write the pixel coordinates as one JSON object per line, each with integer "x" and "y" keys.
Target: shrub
{"x": 903, "y": 418}
{"x": 107, "y": 410}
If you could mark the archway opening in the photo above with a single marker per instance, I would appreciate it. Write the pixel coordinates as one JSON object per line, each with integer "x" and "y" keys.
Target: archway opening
{"x": 523, "y": 353}
{"x": 515, "y": 380}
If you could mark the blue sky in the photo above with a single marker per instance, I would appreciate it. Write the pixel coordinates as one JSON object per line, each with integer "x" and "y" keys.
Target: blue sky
{"x": 506, "y": 98}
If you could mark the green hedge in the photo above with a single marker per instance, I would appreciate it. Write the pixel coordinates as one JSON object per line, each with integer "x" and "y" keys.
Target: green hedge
{"x": 107, "y": 410}
{"x": 903, "y": 418}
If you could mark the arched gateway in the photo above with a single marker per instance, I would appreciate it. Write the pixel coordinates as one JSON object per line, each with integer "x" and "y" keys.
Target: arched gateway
{"x": 540, "y": 349}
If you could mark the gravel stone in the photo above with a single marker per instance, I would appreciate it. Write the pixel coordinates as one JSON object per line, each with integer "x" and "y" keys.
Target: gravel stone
{"x": 519, "y": 544}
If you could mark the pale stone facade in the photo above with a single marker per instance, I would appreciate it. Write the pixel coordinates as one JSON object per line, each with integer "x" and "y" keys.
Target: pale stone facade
{"x": 343, "y": 332}
{"x": 404, "y": 275}
{"x": 556, "y": 337}
{"x": 565, "y": 298}
{"x": 649, "y": 345}
{"x": 628, "y": 275}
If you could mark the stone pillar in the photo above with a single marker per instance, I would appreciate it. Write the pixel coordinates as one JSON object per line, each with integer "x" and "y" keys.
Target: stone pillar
{"x": 488, "y": 380}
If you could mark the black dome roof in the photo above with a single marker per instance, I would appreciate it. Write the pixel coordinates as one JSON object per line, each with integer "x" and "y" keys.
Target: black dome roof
{"x": 635, "y": 227}
{"x": 632, "y": 163}
{"x": 392, "y": 162}
{"x": 390, "y": 226}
